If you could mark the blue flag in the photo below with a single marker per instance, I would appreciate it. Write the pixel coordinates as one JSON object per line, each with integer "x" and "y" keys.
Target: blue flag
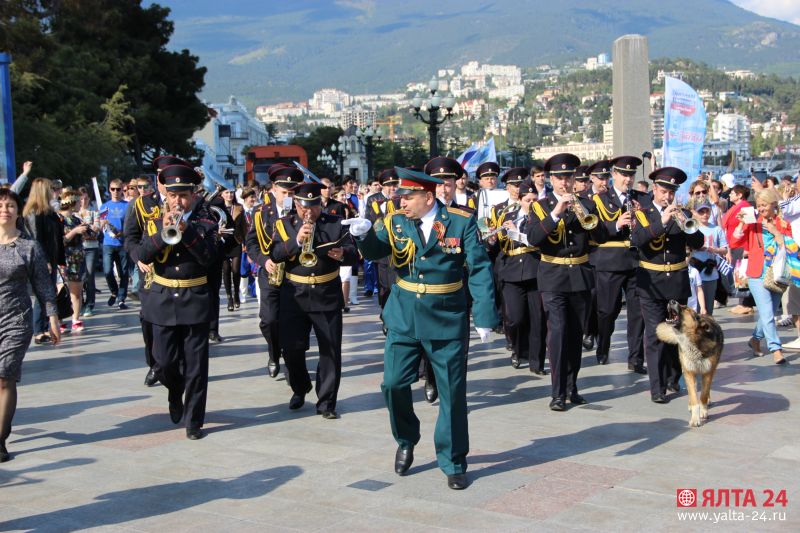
{"x": 684, "y": 131}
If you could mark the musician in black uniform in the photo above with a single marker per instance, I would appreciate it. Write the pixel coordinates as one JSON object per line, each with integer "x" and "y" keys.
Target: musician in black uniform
{"x": 329, "y": 205}
{"x": 312, "y": 244}
{"x": 615, "y": 263}
{"x": 583, "y": 188}
{"x": 145, "y": 208}
{"x": 512, "y": 181}
{"x": 178, "y": 303}
{"x": 379, "y": 205}
{"x": 516, "y": 268}
{"x": 564, "y": 276}
{"x": 662, "y": 274}
{"x": 277, "y": 203}
{"x": 224, "y": 234}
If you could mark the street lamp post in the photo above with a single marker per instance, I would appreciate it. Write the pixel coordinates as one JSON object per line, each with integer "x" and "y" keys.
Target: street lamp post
{"x": 433, "y": 106}
{"x": 366, "y": 137}
{"x": 338, "y": 153}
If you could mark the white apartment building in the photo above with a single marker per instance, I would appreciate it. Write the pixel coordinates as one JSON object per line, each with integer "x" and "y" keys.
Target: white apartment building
{"x": 280, "y": 112}
{"x": 730, "y": 127}
{"x": 328, "y": 101}
{"x": 356, "y": 116}
{"x": 585, "y": 151}
{"x": 230, "y": 128}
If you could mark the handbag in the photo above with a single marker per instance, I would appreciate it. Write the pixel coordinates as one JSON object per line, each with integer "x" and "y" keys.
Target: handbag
{"x": 63, "y": 303}
{"x": 774, "y": 275}
{"x": 780, "y": 267}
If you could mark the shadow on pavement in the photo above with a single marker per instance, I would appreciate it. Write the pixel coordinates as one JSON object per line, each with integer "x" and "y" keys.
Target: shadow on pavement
{"x": 642, "y": 436}
{"x": 145, "y": 502}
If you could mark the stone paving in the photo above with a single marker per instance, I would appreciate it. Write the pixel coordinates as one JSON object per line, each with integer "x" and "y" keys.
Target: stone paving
{"x": 94, "y": 449}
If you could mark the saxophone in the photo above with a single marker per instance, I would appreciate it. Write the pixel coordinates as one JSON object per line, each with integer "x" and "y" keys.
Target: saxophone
{"x": 307, "y": 256}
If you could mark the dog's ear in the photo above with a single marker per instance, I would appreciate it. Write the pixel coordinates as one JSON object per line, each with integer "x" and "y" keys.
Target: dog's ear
{"x": 706, "y": 325}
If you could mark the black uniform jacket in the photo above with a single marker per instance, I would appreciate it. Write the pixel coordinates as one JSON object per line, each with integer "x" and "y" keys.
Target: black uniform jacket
{"x": 189, "y": 259}
{"x": 663, "y": 246}
{"x": 616, "y": 254}
{"x": 335, "y": 207}
{"x": 375, "y": 212}
{"x": 259, "y": 238}
{"x": 565, "y": 242}
{"x": 140, "y": 211}
{"x": 328, "y": 233}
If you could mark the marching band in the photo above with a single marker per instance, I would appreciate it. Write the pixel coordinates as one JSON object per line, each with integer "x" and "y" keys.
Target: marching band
{"x": 550, "y": 262}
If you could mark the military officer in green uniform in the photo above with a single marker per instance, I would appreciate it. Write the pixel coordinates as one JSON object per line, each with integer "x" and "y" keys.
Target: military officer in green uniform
{"x": 427, "y": 313}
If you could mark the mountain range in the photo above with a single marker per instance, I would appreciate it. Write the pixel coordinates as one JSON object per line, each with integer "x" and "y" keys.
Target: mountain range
{"x": 266, "y": 51}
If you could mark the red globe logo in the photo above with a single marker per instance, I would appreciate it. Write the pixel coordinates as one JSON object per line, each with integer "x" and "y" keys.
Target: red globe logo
{"x": 687, "y": 497}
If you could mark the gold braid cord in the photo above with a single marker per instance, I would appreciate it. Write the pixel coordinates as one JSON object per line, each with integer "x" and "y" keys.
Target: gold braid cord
{"x": 264, "y": 240}
{"x": 401, "y": 256}
{"x": 147, "y": 223}
{"x": 605, "y": 214}
{"x": 557, "y": 234}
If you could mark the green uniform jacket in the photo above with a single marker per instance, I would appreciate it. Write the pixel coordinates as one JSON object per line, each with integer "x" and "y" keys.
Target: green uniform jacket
{"x": 441, "y": 261}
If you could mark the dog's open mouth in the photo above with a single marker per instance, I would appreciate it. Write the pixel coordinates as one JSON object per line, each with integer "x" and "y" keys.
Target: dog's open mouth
{"x": 673, "y": 313}
{"x": 672, "y": 318}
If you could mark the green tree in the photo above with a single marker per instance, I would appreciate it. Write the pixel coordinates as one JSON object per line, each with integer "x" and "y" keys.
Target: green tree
{"x": 72, "y": 58}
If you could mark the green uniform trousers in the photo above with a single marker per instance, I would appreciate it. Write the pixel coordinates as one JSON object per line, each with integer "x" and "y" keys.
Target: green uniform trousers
{"x": 401, "y": 363}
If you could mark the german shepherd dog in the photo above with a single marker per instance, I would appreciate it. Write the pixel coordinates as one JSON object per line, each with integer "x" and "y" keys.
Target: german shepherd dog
{"x": 699, "y": 339}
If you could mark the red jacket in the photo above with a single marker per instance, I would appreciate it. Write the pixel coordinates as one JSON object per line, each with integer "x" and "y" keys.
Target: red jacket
{"x": 753, "y": 243}
{"x": 729, "y": 220}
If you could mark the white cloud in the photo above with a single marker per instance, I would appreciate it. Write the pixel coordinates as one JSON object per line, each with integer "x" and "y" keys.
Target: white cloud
{"x": 367, "y": 7}
{"x": 255, "y": 55}
{"x": 788, "y": 10}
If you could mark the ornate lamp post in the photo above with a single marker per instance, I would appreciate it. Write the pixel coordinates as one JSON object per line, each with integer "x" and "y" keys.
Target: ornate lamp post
{"x": 433, "y": 105}
{"x": 366, "y": 138}
{"x": 338, "y": 152}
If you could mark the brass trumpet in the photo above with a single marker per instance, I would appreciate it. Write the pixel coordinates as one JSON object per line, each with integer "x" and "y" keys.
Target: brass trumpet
{"x": 307, "y": 256}
{"x": 687, "y": 225}
{"x": 171, "y": 233}
{"x": 588, "y": 221}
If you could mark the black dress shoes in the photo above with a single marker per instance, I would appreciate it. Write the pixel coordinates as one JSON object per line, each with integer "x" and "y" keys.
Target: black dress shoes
{"x": 150, "y": 380}
{"x": 557, "y": 404}
{"x": 457, "y": 481}
{"x": 297, "y": 401}
{"x": 403, "y": 459}
{"x": 194, "y": 433}
{"x": 4, "y": 455}
{"x": 539, "y": 372}
{"x": 509, "y": 347}
{"x": 431, "y": 392}
{"x": 639, "y": 369}
{"x": 213, "y": 336}
{"x": 230, "y": 305}
{"x": 588, "y": 342}
{"x": 514, "y": 360}
{"x": 577, "y": 399}
{"x": 328, "y": 414}
{"x": 602, "y": 359}
{"x": 674, "y": 387}
{"x": 175, "y": 407}
{"x": 659, "y": 398}
{"x": 273, "y": 367}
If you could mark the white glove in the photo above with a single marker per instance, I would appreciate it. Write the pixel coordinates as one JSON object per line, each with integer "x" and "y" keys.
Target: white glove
{"x": 358, "y": 226}
{"x": 483, "y": 333}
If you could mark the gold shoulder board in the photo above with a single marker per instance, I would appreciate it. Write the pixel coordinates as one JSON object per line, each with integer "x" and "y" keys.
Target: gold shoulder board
{"x": 457, "y": 211}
